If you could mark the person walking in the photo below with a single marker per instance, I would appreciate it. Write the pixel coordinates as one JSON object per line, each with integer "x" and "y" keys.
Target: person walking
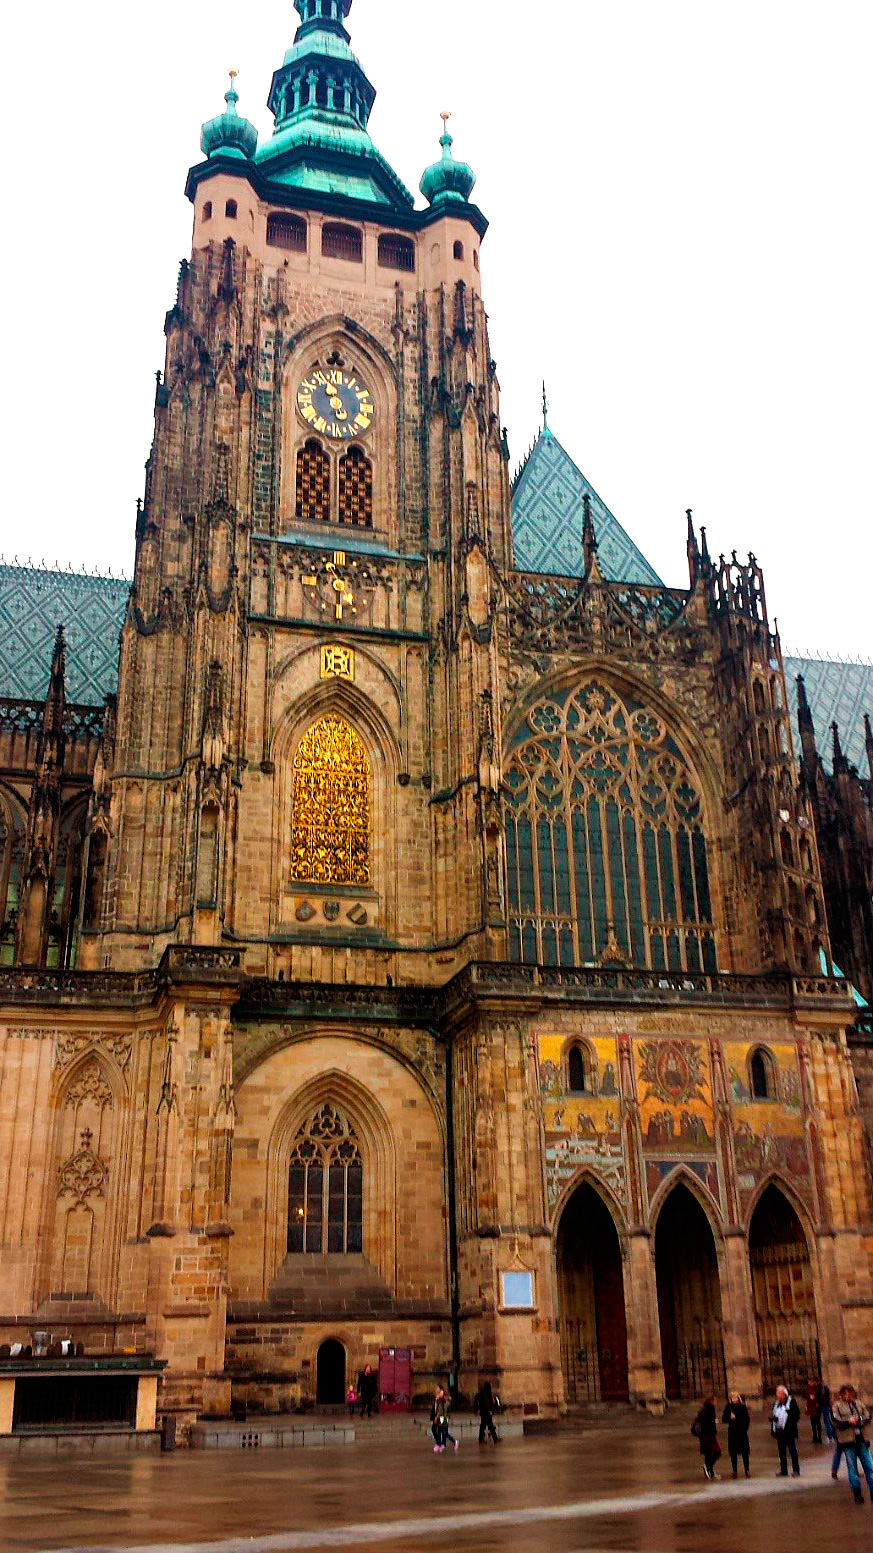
{"x": 784, "y": 1422}
{"x": 736, "y": 1416}
{"x": 439, "y": 1426}
{"x": 484, "y": 1404}
{"x": 851, "y": 1420}
{"x": 706, "y": 1430}
{"x": 368, "y": 1385}
{"x": 815, "y": 1407}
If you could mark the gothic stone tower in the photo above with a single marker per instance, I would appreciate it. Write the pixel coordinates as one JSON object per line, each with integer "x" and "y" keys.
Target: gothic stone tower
{"x": 327, "y": 447}
{"x": 442, "y": 955}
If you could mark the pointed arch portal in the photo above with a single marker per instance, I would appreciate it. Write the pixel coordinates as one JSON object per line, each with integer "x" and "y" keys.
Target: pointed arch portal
{"x": 788, "y": 1344}
{"x": 689, "y": 1299}
{"x": 591, "y": 1302}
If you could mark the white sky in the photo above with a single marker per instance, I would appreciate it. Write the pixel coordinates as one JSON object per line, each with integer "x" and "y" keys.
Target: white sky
{"x": 680, "y": 243}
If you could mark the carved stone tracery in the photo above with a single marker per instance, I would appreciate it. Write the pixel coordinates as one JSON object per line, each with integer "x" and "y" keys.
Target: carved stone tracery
{"x": 84, "y": 1174}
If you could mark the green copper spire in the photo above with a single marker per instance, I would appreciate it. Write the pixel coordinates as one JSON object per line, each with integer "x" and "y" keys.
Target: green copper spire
{"x": 447, "y": 180}
{"x": 321, "y": 101}
{"x": 229, "y": 135}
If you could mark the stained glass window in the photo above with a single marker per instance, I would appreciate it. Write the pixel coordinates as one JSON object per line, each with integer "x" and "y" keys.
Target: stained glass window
{"x": 326, "y": 1187}
{"x": 313, "y": 483}
{"x": 330, "y": 817}
{"x": 605, "y": 848}
{"x": 356, "y": 489}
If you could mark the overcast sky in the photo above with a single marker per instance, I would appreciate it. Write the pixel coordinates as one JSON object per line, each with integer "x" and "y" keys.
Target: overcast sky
{"x": 680, "y": 243}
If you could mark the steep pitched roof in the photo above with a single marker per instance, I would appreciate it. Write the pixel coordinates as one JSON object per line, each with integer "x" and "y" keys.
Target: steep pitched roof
{"x": 33, "y": 603}
{"x": 837, "y": 693}
{"x": 547, "y": 500}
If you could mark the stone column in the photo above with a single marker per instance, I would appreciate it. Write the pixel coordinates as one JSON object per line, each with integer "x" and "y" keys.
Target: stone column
{"x": 738, "y": 1310}
{"x": 645, "y": 1367}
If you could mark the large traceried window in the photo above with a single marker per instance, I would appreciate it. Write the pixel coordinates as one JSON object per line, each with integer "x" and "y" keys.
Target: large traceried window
{"x": 326, "y": 1187}
{"x": 330, "y": 814}
{"x": 605, "y": 850}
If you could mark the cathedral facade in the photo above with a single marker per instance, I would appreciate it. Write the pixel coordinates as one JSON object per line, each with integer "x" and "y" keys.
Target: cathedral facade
{"x": 417, "y": 951}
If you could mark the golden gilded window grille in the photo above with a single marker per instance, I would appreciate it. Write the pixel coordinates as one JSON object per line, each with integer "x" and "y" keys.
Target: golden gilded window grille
{"x": 605, "y": 846}
{"x": 313, "y": 483}
{"x": 356, "y": 489}
{"x": 330, "y": 815}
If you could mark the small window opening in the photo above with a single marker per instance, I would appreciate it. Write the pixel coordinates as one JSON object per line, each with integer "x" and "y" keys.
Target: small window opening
{"x": 396, "y": 253}
{"x": 230, "y": 210}
{"x": 342, "y": 242}
{"x": 576, "y": 1071}
{"x": 207, "y": 211}
{"x": 475, "y": 258}
{"x": 459, "y": 250}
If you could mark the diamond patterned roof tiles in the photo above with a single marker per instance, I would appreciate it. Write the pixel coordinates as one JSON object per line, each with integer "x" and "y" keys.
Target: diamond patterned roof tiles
{"x": 837, "y": 693}
{"x": 547, "y": 520}
{"x": 33, "y": 603}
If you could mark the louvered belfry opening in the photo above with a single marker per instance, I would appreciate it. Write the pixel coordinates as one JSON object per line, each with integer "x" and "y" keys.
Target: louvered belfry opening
{"x": 313, "y": 483}
{"x": 356, "y": 489}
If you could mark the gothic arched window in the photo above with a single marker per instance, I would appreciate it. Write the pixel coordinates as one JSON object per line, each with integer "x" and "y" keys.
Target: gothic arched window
{"x": 762, "y": 1076}
{"x": 326, "y": 1186}
{"x": 330, "y": 812}
{"x": 576, "y": 1071}
{"x": 356, "y": 489}
{"x": 605, "y": 850}
{"x": 313, "y": 483}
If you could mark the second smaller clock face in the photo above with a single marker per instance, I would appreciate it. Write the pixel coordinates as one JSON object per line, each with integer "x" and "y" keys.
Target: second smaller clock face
{"x": 336, "y": 403}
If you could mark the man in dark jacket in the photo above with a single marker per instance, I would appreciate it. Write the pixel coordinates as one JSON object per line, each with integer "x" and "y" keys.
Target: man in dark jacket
{"x": 484, "y": 1404}
{"x": 784, "y": 1422}
{"x": 368, "y": 1385}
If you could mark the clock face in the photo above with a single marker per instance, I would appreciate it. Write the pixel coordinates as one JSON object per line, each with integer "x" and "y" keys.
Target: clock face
{"x": 336, "y": 403}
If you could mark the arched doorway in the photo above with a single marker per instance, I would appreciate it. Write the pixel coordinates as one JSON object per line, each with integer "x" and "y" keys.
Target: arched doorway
{"x": 591, "y": 1302}
{"x": 689, "y": 1299}
{"x": 784, "y": 1297}
{"x": 331, "y": 1374}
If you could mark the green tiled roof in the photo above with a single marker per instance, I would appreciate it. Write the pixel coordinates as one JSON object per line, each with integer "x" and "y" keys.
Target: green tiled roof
{"x": 547, "y": 498}
{"x": 837, "y": 693}
{"x": 33, "y": 603}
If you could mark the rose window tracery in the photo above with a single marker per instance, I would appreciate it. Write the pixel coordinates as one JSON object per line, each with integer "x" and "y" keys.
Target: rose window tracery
{"x": 326, "y": 1186}
{"x": 330, "y": 820}
{"x": 605, "y": 849}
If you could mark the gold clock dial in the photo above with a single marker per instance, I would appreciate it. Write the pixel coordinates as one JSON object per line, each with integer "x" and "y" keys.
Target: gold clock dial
{"x": 336, "y": 403}
{"x": 339, "y": 587}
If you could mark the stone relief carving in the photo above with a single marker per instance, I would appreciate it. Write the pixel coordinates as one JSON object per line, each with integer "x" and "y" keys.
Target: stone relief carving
{"x": 84, "y": 1174}
{"x": 70, "y": 1044}
{"x": 91, "y": 1084}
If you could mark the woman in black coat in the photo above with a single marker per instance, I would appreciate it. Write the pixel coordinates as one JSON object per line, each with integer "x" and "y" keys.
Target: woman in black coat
{"x": 706, "y": 1430}
{"x": 736, "y": 1416}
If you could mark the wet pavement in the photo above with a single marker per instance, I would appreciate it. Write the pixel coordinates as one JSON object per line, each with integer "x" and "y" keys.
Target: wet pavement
{"x": 604, "y": 1489}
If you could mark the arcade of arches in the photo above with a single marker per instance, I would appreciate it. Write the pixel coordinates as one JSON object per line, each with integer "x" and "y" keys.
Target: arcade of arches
{"x": 596, "y": 1300}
